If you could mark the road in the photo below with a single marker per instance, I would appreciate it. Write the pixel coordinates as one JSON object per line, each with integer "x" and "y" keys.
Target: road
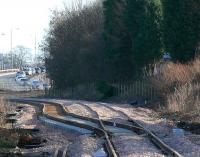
{"x": 8, "y": 83}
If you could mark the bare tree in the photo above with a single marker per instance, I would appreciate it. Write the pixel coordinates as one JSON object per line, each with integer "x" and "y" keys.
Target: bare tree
{"x": 22, "y": 55}
{"x": 75, "y": 45}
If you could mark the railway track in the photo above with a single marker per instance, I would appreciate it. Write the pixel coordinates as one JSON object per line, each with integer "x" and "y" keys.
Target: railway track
{"x": 153, "y": 138}
{"x": 57, "y": 112}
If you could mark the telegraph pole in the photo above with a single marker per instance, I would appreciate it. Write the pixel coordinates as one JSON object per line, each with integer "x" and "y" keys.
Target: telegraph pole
{"x": 11, "y": 47}
{"x": 35, "y": 48}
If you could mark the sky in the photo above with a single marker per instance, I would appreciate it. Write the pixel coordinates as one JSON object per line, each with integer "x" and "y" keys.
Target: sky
{"x": 27, "y": 20}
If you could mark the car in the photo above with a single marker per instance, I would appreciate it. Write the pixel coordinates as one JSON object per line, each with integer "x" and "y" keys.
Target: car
{"x": 46, "y": 86}
{"x": 28, "y": 71}
{"x": 25, "y": 82}
{"x": 38, "y": 70}
{"x": 21, "y": 73}
{"x": 37, "y": 85}
{"x": 33, "y": 71}
{"x": 18, "y": 78}
{"x": 43, "y": 69}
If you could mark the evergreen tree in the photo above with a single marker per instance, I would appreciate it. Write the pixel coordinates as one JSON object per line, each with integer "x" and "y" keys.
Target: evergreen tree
{"x": 143, "y": 20}
{"x": 117, "y": 38}
{"x": 181, "y": 28}
{"x": 133, "y": 35}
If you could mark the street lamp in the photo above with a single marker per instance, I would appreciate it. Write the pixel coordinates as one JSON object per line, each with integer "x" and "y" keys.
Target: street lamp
{"x": 2, "y": 56}
{"x": 11, "y": 40}
{"x": 35, "y": 46}
{"x": 11, "y": 45}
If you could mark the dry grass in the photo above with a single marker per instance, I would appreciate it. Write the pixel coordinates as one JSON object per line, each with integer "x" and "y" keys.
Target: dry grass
{"x": 7, "y": 139}
{"x": 5, "y": 108}
{"x": 185, "y": 99}
{"x": 179, "y": 85}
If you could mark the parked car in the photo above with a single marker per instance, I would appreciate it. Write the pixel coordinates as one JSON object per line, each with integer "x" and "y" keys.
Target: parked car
{"x": 21, "y": 73}
{"x": 33, "y": 71}
{"x": 37, "y": 85}
{"x": 43, "y": 69}
{"x": 28, "y": 71}
{"x": 38, "y": 70}
{"x": 25, "y": 82}
{"x": 18, "y": 78}
{"x": 46, "y": 86}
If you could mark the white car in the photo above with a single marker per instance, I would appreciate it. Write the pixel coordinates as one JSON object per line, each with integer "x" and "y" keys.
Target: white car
{"x": 37, "y": 85}
{"x": 25, "y": 82}
{"x": 46, "y": 86}
{"x": 21, "y": 73}
{"x": 18, "y": 78}
{"x": 33, "y": 71}
{"x": 28, "y": 71}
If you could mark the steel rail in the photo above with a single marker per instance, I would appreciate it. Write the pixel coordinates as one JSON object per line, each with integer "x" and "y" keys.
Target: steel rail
{"x": 99, "y": 131}
{"x": 136, "y": 127}
{"x": 153, "y": 138}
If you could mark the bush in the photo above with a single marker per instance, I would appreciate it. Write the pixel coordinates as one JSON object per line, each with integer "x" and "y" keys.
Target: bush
{"x": 74, "y": 44}
{"x": 106, "y": 89}
{"x": 179, "y": 85}
{"x": 185, "y": 99}
{"x": 5, "y": 108}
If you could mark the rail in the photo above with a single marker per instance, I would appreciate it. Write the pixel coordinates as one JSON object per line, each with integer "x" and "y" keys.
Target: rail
{"x": 136, "y": 127}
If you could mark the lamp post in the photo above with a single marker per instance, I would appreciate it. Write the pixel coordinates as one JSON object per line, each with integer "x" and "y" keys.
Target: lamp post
{"x": 35, "y": 48}
{"x": 2, "y": 59}
{"x": 11, "y": 46}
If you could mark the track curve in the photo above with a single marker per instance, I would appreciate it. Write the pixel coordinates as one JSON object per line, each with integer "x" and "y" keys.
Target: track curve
{"x": 55, "y": 111}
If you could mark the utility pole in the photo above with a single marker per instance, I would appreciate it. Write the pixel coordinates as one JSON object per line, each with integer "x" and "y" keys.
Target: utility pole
{"x": 11, "y": 47}
{"x": 35, "y": 48}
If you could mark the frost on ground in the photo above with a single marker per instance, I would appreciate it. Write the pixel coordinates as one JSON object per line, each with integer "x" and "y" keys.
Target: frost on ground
{"x": 135, "y": 146}
{"x": 183, "y": 144}
{"x": 188, "y": 145}
{"x": 91, "y": 110}
{"x": 85, "y": 147}
{"x": 79, "y": 110}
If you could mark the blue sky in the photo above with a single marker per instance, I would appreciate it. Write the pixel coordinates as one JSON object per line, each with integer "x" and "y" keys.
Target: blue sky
{"x": 27, "y": 19}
